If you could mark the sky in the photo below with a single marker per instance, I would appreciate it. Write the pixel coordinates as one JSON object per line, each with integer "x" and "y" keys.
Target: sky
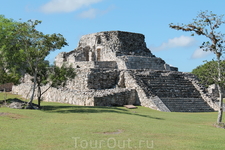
{"x": 74, "y": 18}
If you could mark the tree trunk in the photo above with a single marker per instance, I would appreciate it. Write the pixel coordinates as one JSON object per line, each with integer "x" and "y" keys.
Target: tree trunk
{"x": 33, "y": 90}
{"x": 39, "y": 96}
{"x": 220, "y": 111}
{"x": 5, "y": 96}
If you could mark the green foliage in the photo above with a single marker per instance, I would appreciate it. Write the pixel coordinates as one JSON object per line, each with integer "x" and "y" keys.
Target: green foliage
{"x": 59, "y": 75}
{"x": 208, "y": 72}
{"x": 9, "y": 77}
{"x": 10, "y": 62}
{"x": 36, "y": 45}
{"x": 22, "y": 47}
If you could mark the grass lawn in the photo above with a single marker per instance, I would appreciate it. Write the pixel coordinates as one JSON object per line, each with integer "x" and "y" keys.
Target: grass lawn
{"x": 68, "y": 127}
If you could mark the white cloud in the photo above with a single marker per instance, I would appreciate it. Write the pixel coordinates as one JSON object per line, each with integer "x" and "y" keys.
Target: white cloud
{"x": 91, "y": 13}
{"x": 57, "y": 6}
{"x": 199, "y": 53}
{"x": 182, "y": 41}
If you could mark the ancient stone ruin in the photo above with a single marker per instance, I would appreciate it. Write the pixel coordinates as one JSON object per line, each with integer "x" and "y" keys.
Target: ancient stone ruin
{"x": 115, "y": 68}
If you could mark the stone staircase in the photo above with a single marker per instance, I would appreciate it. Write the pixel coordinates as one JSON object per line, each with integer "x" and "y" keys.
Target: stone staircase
{"x": 176, "y": 92}
{"x": 186, "y": 105}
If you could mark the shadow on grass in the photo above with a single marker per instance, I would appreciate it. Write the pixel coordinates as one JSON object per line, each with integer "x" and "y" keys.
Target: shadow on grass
{"x": 92, "y": 109}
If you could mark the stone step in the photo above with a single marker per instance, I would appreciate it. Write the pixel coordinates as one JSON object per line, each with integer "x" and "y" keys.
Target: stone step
{"x": 176, "y": 94}
{"x": 168, "y": 85}
{"x": 166, "y": 82}
{"x": 186, "y": 104}
{"x": 174, "y": 88}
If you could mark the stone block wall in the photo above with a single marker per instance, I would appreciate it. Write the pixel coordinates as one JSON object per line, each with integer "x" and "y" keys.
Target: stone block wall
{"x": 104, "y": 87}
{"x": 106, "y": 64}
{"x": 124, "y": 97}
{"x": 93, "y": 64}
{"x": 81, "y": 80}
{"x": 141, "y": 62}
{"x": 103, "y": 79}
{"x": 57, "y": 95}
{"x": 107, "y": 97}
{"x": 122, "y": 43}
{"x": 94, "y": 79}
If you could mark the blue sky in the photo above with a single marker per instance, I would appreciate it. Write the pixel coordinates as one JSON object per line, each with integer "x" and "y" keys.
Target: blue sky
{"x": 74, "y": 18}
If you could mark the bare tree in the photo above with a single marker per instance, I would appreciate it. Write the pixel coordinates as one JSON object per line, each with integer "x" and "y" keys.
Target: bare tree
{"x": 207, "y": 24}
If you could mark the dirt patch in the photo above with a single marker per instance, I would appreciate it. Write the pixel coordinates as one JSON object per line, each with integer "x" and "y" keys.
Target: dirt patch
{"x": 116, "y": 132}
{"x": 3, "y": 114}
{"x": 11, "y": 115}
{"x": 219, "y": 125}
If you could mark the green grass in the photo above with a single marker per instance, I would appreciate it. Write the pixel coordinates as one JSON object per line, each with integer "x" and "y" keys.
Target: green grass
{"x": 63, "y": 126}
{"x": 7, "y": 95}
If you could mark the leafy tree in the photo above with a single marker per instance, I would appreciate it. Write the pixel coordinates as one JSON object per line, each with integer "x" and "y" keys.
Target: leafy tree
{"x": 34, "y": 49}
{"x": 23, "y": 49}
{"x": 207, "y": 24}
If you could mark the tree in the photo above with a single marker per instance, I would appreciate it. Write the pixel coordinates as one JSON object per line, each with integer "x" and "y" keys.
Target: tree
{"x": 34, "y": 49}
{"x": 207, "y": 24}
{"x": 23, "y": 49}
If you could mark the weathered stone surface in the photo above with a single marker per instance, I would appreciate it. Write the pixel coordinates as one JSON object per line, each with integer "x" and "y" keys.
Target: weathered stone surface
{"x": 161, "y": 89}
{"x": 116, "y": 68}
{"x": 17, "y": 105}
{"x": 213, "y": 90}
{"x": 116, "y": 42}
{"x": 112, "y": 49}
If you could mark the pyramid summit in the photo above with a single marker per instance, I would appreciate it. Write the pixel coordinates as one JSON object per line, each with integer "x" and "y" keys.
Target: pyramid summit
{"x": 113, "y": 49}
